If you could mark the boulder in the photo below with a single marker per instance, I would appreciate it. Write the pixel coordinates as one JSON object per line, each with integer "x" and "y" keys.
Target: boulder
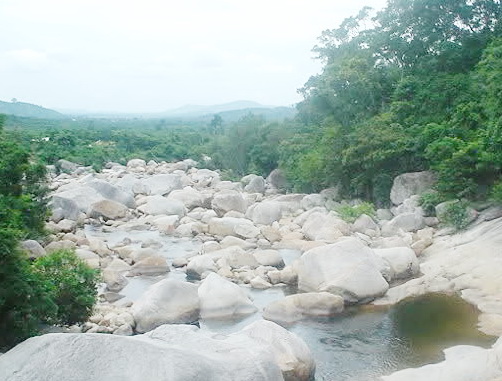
{"x": 220, "y": 298}
{"x": 156, "y": 205}
{"x": 255, "y": 185}
{"x": 277, "y": 180}
{"x": 71, "y": 202}
{"x": 301, "y": 306}
{"x": 312, "y": 201}
{"x": 407, "y": 222}
{"x": 265, "y": 212}
{"x": 163, "y": 184}
{"x": 269, "y": 258}
{"x": 402, "y": 261}
{"x": 228, "y": 200}
{"x": 90, "y": 258}
{"x": 346, "y": 268}
{"x": 113, "y": 193}
{"x": 66, "y": 166}
{"x": 199, "y": 265}
{"x": 462, "y": 363}
{"x": 190, "y": 197}
{"x": 289, "y": 351}
{"x": 137, "y": 165}
{"x": 33, "y": 248}
{"x": 364, "y": 223}
{"x": 154, "y": 265}
{"x": 409, "y": 184}
{"x": 226, "y": 225}
{"x": 205, "y": 177}
{"x": 169, "y": 301}
{"x": 108, "y": 210}
{"x": 114, "y": 280}
{"x": 171, "y": 352}
{"x": 246, "y": 231}
{"x": 324, "y": 227}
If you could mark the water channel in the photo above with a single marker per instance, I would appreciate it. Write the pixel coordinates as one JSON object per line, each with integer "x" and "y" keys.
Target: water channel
{"x": 361, "y": 344}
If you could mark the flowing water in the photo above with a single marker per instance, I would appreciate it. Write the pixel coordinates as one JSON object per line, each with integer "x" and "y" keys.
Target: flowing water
{"x": 360, "y": 344}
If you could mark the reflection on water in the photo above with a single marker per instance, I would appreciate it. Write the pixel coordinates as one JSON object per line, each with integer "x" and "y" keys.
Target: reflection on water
{"x": 361, "y": 344}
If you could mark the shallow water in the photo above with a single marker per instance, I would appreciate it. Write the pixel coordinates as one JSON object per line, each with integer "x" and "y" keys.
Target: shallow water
{"x": 360, "y": 344}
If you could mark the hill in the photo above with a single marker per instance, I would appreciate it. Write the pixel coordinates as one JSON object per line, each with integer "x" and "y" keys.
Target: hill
{"x": 28, "y": 110}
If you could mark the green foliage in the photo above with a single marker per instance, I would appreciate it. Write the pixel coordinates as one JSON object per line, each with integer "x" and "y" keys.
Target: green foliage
{"x": 429, "y": 200}
{"x": 72, "y": 285}
{"x": 496, "y": 192}
{"x": 455, "y": 215}
{"x": 350, "y": 213}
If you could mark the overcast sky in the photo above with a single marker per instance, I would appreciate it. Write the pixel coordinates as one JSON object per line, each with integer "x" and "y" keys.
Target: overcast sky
{"x": 154, "y": 55}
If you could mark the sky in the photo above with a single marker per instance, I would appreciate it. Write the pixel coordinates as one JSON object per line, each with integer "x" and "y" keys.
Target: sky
{"x": 156, "y": 55}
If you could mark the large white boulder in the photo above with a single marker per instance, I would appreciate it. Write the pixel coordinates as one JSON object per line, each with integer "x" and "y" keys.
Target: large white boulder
{"x": 228, "y": 225}
{"x": 112, "y": 192}
{"x": 199, "y": 265}
{"x": 108, "y": 209}
{"x": 228, "y": 200}
{"x": 346, "y": 268}
{"x": 462, "y": 363}
{"x": 170, "y": 353}
{"x": 300, "y": 306}
{"x": 325, "y": 227}
{"x": 264, "y": 213}
{"x": 169, "y": 301}
{"x": 163, "y": 184}
{"x": 156, "y": 205}
{"x": 402, "y": 260}
{"x": 220, "y": 298}
{"x": 190, "y": 197}
{"x": 409, "y": 184}
{"x": 71, "y": 202}
{"x": 290, "y": 352}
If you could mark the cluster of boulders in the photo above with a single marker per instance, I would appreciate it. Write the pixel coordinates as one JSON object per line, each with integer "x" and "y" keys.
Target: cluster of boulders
{"x": 242, "y": 227}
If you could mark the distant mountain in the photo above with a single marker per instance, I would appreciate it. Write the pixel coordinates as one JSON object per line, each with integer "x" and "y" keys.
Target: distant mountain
{"x": 198, "y": 110}
{"x": 28, "y": 110}
{"x": 277, "y": 114}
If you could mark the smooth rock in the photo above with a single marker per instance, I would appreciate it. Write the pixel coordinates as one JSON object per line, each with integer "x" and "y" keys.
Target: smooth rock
{"x": 169, "y": 301}
{"x": 346, "y": 268}
{"x": 220, "y": 298}
{"x": 302, "y": 306}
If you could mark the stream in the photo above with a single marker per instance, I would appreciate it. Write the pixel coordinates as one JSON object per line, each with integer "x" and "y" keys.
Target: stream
{"x": 360, "y": 344}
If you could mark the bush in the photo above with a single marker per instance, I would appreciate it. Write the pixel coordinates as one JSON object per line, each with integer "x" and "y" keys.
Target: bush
{"x": 496, "y": 193}
{"x": 72, "y": 285}
{"x": 351, "y": 213}
{"x": 455, "y": 214}
{"x": 25, "y": 299}
{"x": 429, "y": 200}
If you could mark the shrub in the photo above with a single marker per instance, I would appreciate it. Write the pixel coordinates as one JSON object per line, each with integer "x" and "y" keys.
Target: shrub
{"x": 429, "y": 200}
{"x": 72, "y": 285}
{"x": 351, "y": 213}
{"x": 496, "y": 193}
{"x": 455, "y": 214}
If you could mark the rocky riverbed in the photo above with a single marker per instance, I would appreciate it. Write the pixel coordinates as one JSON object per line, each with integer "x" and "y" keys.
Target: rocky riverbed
{"x": 236, "y": 232}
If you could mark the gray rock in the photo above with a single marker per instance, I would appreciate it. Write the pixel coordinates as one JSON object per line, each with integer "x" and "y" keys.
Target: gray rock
{"x": 67, "y": 166}
{"x": 90, "y": 258}
{"x": 170, "y": 353}
{"x": 346, "y": 268}
{"x": 112, "y": 192}
{"x": 154, "y": 265}
{"x": 255, "y": 185}
{"x": 190, "y": 197}
{"x": 324, "y": 227}
{"x": 163, "y": 184}
{"x": 114, "y": 280}
{"x": 157, "y": 205}
{"x": 269, "y": 258}
{"x": 264, "y": 213}
{"x": 228, "y": 200}
{"x": 169, "y": 301}
{"x": 108, "y": 209}
{"x": 226, "y": 225}
{"x": 199, "y": 265}
{"x": 277, "y": 180}
{"x": 409, "y": 184}
{"x": 220, "y": 298}
{"x": 302, "y": 306}
{"x": 407, "y": 222}
{"x": 33, "y": 248}
{"x": 402, "y": 260}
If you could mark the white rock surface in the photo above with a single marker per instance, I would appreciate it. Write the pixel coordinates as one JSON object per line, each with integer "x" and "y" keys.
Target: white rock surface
{"x": 166, "y": 302}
